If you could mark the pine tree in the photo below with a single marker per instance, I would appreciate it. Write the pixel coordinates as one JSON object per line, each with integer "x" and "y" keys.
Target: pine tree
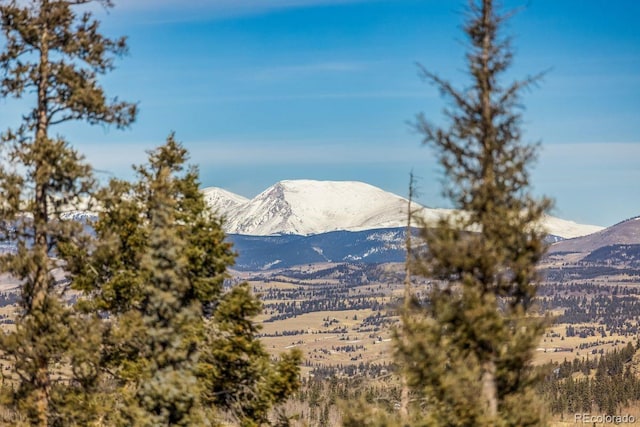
{"x": 236, "y": 372}
{"x": 178, "y": 348}
{"x": 53, "y": 56}
{"x": 168, "y": 394}
{"x": 468, "y": 349}
{"x": 158, "y": 262}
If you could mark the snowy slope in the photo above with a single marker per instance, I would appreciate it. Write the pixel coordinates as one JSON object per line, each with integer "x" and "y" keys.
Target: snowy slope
{"x": 567, "y": 229}
{"x": 223, "y": 202}
{"x": 80, "y": 216}
{"x": 307, "y": 207}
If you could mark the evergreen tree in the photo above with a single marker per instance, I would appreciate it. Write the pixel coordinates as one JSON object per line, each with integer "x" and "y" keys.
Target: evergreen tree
{"x": 168, "y": 393}
{"x": 235, "y": 370}
{"x": 177, "y": 347}
{"x": 468, "y": 349}
{"x": 53, "y": 56}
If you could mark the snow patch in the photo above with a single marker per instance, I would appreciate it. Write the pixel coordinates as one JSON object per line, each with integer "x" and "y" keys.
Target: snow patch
{"x": 389, "y": 236}
{"x": 271, "y": 264}
{"x": 567, "y": 229}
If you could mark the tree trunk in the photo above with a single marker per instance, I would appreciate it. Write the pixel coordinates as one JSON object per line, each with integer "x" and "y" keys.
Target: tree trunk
{"x": 490, "y": 389}
{"x": 404, "y": 393}
{"x": 41, "y": 218}
{"x": 404, "y": 401}
{"x": 42, "y": 392}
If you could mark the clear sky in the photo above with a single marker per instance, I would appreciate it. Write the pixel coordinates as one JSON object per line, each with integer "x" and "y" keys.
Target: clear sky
{"x": 265, "y": 90}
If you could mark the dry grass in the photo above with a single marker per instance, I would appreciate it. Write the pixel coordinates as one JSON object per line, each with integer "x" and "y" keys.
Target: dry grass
{"x": 552, "y": 346}
{"x": 321, "y": 346}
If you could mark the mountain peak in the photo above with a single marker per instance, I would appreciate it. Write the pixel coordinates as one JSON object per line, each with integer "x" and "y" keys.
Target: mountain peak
{"x": 306, "y": 207}
{"x": 312, "y": 207}
{"x": 223, "y": 202}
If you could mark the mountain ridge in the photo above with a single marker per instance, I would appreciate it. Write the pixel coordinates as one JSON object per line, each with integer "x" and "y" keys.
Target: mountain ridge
{"x": 623, "y": 233}
{"x": 308, "y": 207}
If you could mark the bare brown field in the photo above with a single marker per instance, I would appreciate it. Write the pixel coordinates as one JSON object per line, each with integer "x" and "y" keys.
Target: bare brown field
{"x": 318, "y": 337}
{"x": 555, "y": 346}
{"x": 342, "y": 318}
{"x": 341, "y": 336}
{"x": 321, "y": 345}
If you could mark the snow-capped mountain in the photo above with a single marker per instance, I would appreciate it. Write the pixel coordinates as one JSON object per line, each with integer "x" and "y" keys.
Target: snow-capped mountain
{"x": 222, "y": 201}
{"x": 307, "y": 207}
{"x": 567, "y": 229}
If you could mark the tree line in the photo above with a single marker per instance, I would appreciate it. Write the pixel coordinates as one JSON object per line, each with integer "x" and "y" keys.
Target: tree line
{"x": 605, "y": 384}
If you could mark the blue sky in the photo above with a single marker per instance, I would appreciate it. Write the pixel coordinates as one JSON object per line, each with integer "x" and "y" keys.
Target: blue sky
{"x": 265, "y": 90}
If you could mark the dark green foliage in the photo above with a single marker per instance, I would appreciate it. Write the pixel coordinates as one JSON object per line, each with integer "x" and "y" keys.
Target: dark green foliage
{"x": 158, "y": 261}
{"x": 235, "y": 370}
{"x": 466, "y": 352}
{"x": 51, "y": 55}
{"x": 56, "y": 52}
{"x": 179, "y": 349}
{"x": 167, "y": 391}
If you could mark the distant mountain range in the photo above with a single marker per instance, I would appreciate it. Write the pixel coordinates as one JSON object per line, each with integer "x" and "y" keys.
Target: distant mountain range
{"x": 305, "y": 222}
{"x": 617, "y": 245}
{"x": 271, "y": 252}
{"x": 625, "y": 233}
{"x": 306, "y": 207}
